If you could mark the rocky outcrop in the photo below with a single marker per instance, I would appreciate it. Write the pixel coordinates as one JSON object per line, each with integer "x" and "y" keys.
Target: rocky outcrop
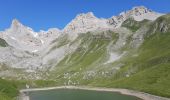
{"x": 88, "y": 22}
{"x": 84, "y": 23}
{"x": 137, "y": 13}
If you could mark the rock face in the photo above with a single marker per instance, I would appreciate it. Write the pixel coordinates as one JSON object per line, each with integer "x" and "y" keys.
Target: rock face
{"x": 48, "y": 36}
{"x": 137, "y": 13}
{"x": 25, "y": 38}
{"x": 41, "y": 50}
{"x": 88, "y": 22}
{"x": 22, "y": 37}
{"x": 25, "y": 47}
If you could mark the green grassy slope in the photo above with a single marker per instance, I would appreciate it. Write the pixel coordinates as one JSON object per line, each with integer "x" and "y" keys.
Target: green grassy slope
{"x": 9, "y": 89}
{"x": 145, "y": 69}
{"x": 4, "y": 97}
{"x": 149, "y": 70}
{"x": 91, "y": 52}
{"x": 153, "y": 67}
{"x": 134, "y": 25}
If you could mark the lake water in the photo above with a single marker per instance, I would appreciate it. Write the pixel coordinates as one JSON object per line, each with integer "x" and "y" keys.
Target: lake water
{"x": 71, "y": 94}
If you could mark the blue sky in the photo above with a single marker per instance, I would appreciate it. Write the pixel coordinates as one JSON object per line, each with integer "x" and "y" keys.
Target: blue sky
{"x": 44, "y": 14}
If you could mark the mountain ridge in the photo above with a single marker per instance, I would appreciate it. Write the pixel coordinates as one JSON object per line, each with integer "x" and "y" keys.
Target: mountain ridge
{"x": 119, "y": 52}
{"x": 49, "y": 47}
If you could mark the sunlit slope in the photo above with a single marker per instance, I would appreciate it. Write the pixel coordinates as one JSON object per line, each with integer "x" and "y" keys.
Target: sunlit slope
{"x": 149, "y": 69}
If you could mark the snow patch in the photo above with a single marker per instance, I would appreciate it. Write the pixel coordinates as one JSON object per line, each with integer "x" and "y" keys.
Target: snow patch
{"x": 13, "y": 38}
{"x": 42, "y": 41}
{"x": 114, "y": 57}
{"x": 34, "y": 51}
{"x": 34, "y": 34}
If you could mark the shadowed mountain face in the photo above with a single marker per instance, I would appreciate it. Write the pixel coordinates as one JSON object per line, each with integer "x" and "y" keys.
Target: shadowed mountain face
{"x": 122, "y": 51}
{"x": 3, "y": 43}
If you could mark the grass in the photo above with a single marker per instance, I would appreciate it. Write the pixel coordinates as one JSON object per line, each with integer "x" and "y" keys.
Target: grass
{"x": 134, "y": 25}
{"x": 4, "y": 97}
{"x": 149, "y": 70}
{"x": 90, "y": 53}
{"x": 152, "y": 68}
{"x": 154, "y": 80}
{"x": 9, "y": 89}
{"x": 59, "y": 42}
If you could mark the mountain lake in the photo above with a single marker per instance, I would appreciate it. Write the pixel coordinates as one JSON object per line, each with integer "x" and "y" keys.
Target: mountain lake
{"x": 76, "y": 94}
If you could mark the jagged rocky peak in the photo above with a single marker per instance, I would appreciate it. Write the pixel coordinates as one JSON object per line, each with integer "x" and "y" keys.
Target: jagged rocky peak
{"x": 15, "y": 24}
{"x": 18, "y": 26}
{"x": 22, "y": 37}
{"x": 88, "y": 22}
{"x": 137, "y": 13}
{"x": 19, "y": 29}
{"x": 85, "y": 22}
{"x": 140, "y": 13}
{"x": 86, "y": 15}
{"x": 140, "y": 10}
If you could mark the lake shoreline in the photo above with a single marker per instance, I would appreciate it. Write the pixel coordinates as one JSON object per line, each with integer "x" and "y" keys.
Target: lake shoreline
{"x": 141, "y": 95}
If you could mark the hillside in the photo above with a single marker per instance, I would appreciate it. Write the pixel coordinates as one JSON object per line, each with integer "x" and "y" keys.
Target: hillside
{"x": 152, "y": 63}
{"x": 129, "y": 51}
{"x": 145, "y": 68}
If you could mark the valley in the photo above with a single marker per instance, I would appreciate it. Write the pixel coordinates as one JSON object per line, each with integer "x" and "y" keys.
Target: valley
{"x": 129, "y": 51}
